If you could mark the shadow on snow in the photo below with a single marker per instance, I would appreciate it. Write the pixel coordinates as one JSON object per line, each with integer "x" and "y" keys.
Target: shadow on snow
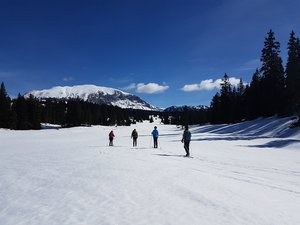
{"x": 267, "y": 127}
{"x": 276, "y": 144}
{"x": 169, "y": 155}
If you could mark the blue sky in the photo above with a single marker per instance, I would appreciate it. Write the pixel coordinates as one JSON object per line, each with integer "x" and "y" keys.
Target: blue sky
{"x": 168, "y": 52}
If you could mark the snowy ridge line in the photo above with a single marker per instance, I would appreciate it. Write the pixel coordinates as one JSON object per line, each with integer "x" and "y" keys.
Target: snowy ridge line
{"x": 81, "y": 91}
{"x": 94, "y": 94}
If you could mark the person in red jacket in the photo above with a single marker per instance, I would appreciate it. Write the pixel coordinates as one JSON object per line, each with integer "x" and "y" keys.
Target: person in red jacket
{"x": 111, "y": 138}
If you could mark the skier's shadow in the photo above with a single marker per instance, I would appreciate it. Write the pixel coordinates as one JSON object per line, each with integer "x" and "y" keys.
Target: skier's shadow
{"x": 168, "y": 155}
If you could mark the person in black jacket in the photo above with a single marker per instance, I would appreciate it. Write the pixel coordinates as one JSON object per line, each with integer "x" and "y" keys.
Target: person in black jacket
{"x": 186, "y": 138}
{"x": 134, "y": 136}
{"x": 111, "y": 136}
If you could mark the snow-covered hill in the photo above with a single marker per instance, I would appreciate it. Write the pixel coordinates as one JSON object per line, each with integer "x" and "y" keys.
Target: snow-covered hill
{"x": 242, "y": 174}
{"x": 94, "y": 94}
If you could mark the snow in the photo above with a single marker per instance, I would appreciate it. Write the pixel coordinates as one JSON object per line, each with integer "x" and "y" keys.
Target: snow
{"x": 247, "y": 173}
{"x": 81, "y": 91}
{"x": 134, "y": 105}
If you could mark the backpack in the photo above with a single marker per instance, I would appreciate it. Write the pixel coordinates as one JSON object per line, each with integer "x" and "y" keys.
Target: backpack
{"x": 111, "y": 134}
{"x": 134, "y": 134}
{"x": 187, "y": 135}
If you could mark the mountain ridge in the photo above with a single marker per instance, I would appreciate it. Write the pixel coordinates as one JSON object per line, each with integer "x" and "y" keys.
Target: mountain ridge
{"x": 181, "y": 108}
{"x": 94, "y": 94}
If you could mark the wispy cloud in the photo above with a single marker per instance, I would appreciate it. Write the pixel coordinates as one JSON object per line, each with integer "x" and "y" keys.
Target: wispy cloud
{"x": 208, "y": 85}
{"x": 123, "y": 79}
{"x": 130, "y": 87}
{"x": 5, "y": 74}
{"x": 250, "y": 65}
{"x": 150, "y": 88}
{"x": 66, "y": 79}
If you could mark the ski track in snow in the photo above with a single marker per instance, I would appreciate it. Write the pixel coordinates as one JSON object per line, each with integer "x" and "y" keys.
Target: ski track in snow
{"x": 72, "y": 176}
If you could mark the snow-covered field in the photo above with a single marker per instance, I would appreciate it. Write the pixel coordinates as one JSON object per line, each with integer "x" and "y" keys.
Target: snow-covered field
{"x": 240, "y": 174}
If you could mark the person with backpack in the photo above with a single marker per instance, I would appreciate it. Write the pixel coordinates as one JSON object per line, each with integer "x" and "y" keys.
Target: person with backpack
{"x": 186, "y": 138}
{"x": 134, "y": 136}
{"x": 155, "y": 135}
{"x": 111, "y": 136}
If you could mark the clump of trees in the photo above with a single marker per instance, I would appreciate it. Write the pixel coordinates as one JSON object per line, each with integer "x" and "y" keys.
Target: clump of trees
{"x": 272, "y": 90}
{"x": 186, "y": 116}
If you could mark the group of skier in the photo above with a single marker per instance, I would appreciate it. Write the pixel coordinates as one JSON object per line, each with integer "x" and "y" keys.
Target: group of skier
{"x": 186, "y": 138}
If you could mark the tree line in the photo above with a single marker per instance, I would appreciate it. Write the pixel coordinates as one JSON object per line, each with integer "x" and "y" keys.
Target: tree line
{"x": 273, "y": 90}
{"x": 28, "y": 113}
{"x": 187, "y": 116}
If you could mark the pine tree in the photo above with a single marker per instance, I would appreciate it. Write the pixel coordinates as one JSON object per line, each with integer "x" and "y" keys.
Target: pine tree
{"x": 215, "y": 109}
{"x": 226, "y": 100}
{"x": 293, "y": 75}
{"x": 240, "y": 101}
{"x": 185, "y": 116}
{"x": 253, "y": 97}
{"x": 272, "y": 82}
{"x": 297, "y": 102}
{"x": 241, "y": 88}
{"x": 4, "y": 107}
{"x": 7, "y": 118}
{"x": 151, "y": 119}
{"x": 20, "y": 108}
{"x": 34, "y": 113}
{"x": 74, "y": 113}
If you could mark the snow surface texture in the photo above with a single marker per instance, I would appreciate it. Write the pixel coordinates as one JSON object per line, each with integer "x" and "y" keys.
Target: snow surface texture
{"x": 240, "y": 174}
{"x": 95, "y": 94}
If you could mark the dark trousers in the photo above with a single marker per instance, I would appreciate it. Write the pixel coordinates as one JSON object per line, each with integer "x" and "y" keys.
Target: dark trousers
{"x": 155, "y": 142}
{"x": 187, "y": 147}
{"x": 111, "y": 141}
{"x": 134, "y": 142}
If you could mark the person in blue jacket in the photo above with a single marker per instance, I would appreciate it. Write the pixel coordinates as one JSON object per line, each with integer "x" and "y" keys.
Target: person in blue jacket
{"x": 155, "y": 135}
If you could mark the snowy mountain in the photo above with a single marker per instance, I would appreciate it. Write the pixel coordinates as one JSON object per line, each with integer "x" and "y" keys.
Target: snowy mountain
{"x": 181, "y": 108}
{"x": 94, "y": 94}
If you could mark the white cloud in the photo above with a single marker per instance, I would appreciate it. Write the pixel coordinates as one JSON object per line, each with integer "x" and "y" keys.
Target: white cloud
{"x": 208, "y": 85}
{"x": 234, "y": 81}
{"x": 150, "y": 88}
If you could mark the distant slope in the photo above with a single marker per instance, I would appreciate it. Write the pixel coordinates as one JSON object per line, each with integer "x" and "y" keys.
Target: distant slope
{"x": 94, "y": 94}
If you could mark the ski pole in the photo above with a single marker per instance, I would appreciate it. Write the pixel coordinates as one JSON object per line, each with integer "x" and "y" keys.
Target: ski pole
{"x": 150, "y": 142}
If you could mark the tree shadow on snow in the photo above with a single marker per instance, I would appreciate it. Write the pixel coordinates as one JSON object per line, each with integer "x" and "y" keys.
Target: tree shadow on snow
{"x": 272, "y": 126}
{"x": 276, "y": 144}
{"x": 230, "y": 138}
